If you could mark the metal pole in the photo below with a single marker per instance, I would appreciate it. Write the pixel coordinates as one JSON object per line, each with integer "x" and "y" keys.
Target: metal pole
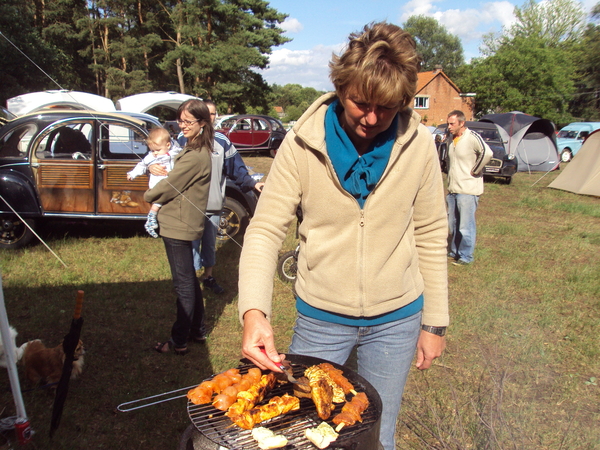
{"x": 11, "y": 365}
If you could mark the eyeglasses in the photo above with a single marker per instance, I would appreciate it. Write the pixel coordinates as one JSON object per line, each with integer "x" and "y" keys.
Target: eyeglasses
{"x": 187, "y": 123}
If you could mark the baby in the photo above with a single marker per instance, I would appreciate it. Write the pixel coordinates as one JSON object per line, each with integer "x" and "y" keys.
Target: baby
{"x": 162, "y": 151}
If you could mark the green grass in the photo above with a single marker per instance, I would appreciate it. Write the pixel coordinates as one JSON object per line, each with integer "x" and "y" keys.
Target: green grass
{"x": 520, "y": 371}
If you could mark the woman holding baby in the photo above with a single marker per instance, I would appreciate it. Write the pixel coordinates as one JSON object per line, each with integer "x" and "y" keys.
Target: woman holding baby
{"x": 184, "y": 195}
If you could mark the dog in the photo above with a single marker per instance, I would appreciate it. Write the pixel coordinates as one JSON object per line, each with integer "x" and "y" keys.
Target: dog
{"x": 45, "y": 365}
{"x": 18, "y": 350}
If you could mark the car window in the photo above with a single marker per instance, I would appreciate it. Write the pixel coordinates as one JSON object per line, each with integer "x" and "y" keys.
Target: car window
{"x": 275, "y": 125}
{"x": 119, "y": 141}
{"x": 260, "y": 125}
{"x": 567, "y": 134}
{"x": 489, "y": 135}
{"x": 68, "y": 141}
{"x": 226, "y": 124}
{"x": 15, "y": 143}
{"x": 243, "y": 125}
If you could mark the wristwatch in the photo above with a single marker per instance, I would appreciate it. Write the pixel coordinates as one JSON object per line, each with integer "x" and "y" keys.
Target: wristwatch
{"x": 438, "y": 331}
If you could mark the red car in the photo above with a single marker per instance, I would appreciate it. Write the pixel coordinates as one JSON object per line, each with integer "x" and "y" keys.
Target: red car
{"x": 254, "y": 133}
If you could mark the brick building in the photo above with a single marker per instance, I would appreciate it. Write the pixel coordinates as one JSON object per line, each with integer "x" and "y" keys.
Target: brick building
{"x": 437, "y": 95}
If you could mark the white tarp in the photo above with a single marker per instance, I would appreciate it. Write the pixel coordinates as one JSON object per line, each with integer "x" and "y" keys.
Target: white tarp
{"x": 36, "y": 101}
{"x": 145, "y": 102}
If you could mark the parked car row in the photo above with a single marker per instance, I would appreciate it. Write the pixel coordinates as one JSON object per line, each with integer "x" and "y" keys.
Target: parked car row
{"x": 73, "y": 164}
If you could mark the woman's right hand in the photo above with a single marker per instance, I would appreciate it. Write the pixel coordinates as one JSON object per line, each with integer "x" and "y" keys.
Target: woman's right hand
{"x": 158, "y": 170}
{"x": 258, "y": 344}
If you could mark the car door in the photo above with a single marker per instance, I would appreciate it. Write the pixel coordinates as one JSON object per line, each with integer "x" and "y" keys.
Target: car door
{"x": 261, "y": 131}
{"x": 62, "y": 164}
{"x": 241, "y": 133}
{"x": 121, "y": 147}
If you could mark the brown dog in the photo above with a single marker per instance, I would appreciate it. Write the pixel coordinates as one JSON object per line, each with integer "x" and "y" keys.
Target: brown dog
{"x": 45, "y": 365}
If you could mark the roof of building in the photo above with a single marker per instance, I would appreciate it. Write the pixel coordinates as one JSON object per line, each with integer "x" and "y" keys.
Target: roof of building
{"x": 424, "y": 78}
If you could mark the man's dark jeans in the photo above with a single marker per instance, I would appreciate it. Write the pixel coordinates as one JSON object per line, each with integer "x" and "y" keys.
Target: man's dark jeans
{"x": 190, "y": 306}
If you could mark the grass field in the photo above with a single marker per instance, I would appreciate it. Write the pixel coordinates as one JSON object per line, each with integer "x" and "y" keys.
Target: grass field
{"x": 521, "y": 370}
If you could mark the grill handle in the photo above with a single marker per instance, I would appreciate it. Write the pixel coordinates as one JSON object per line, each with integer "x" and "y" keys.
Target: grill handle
{"x": 153, "y": 399}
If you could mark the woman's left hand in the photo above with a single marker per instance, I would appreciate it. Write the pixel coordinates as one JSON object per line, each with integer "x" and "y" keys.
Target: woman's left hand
{"x": 429, "y": 347}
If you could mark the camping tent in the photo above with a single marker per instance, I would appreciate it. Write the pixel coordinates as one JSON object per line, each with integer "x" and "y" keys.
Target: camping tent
{"x": 582, "y": 174}
{"x": 531, "y": 139}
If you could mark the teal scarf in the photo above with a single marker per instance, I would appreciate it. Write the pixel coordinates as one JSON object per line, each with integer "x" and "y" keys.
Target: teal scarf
{"x": 357, "y": 174}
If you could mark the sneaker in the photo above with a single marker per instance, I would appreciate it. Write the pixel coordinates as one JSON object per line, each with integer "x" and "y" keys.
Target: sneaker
{"x": 460, "y": 262}
{"x": 211, "y": 283}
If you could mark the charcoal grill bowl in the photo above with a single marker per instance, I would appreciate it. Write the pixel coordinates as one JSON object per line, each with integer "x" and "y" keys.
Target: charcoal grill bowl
{"x": 219, "y": 430}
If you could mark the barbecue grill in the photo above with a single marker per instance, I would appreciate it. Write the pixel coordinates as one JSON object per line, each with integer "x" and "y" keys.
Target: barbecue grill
{"x": 218, "y": 428}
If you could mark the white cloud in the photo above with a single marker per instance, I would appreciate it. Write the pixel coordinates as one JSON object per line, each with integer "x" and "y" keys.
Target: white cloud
{"x": 291, "y": 25}
{"x": 308, "y": 68}
{"x": 468, "y": 24}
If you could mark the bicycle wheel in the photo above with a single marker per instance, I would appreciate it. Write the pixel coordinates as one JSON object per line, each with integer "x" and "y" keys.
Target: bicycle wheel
{"x": 287, "y": 265}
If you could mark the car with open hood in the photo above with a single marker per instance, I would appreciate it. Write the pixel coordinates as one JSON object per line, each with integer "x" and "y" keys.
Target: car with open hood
{"x": 69, "y": 164}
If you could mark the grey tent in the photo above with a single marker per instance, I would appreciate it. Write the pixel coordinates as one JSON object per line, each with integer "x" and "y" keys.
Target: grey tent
{"x": 530, "y": 139}
{"x": 582, "y": 174}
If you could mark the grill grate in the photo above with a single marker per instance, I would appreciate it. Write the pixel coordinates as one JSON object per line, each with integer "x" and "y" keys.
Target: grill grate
{"x": 217, "y": 427}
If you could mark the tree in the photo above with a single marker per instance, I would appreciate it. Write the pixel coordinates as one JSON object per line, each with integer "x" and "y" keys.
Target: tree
{"x": 531, "y": 66}
{"x": 555, "y": 22}
{"x": 21, "y": 49}
{"x": 435, "y": 44}
{"x": 586, "y": 104}
{"x": 217, "y": 43}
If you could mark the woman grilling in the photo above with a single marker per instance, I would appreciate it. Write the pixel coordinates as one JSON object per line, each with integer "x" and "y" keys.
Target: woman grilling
{"x": 184, "y": 195}
{"x": 372, "y": 269}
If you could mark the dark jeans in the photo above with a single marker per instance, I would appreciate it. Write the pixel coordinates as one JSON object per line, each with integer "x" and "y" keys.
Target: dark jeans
{"x": 190, "y": 306}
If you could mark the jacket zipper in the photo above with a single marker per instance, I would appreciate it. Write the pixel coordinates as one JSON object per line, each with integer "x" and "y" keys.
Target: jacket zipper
{"x": 361, "y": 282}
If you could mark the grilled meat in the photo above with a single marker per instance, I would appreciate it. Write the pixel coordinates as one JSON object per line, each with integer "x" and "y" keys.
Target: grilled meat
{"x": 223, "y": 383}
{"x": 351, "y": 411}
{"x": 247, "y": 399}
{"x": 315, "y": 372}
{"x": 338, "y": 378}
{"x": 276, "y": 407}
{"x": 322, "y": 396}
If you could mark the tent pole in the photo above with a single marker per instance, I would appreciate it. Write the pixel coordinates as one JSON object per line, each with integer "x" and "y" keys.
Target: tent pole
{"x": 11, "y": 364}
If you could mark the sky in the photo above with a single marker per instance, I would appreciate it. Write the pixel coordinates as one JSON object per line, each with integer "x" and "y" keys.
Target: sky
{"x": 319, "y": 28}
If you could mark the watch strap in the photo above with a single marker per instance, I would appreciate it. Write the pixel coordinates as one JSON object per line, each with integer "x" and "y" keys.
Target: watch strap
{"x": 438, "y": 331}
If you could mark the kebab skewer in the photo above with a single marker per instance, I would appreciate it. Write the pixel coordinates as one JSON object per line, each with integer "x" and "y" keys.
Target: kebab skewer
{"x": 351, "y": 411}
{"x": 275, "y": 407}
{"x": 221, "y": 382}
{"x": 246, "y": 400}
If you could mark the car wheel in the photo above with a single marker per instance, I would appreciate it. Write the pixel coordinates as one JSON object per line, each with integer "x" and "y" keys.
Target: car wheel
{"x": 234, "y": 218}
{"x": 287, "y": 266}
{"x": 14, "y": 233}
{"x": 507, "y": 180}
{"x": 566, "y": 155}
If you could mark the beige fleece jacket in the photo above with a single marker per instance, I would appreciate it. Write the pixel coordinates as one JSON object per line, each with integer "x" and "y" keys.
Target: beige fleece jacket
{"x": 353, "y": 261}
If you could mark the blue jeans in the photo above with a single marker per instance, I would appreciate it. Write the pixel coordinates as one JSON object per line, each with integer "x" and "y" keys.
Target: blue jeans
{"x": 206, "y": 256}
{"x": 385, "y": 353}
{"x": 461, "y": 224}
{"x": 190, "y": 305}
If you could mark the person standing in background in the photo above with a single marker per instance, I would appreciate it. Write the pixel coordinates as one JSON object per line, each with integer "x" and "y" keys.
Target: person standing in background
{"x": 467, "y": 156}
{"x": 183, "y": 195}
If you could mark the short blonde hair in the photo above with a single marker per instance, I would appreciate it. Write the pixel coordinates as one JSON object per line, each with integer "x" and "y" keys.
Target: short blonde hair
{"x": 158, "y": 136}
{"x": 381, "y": 63}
